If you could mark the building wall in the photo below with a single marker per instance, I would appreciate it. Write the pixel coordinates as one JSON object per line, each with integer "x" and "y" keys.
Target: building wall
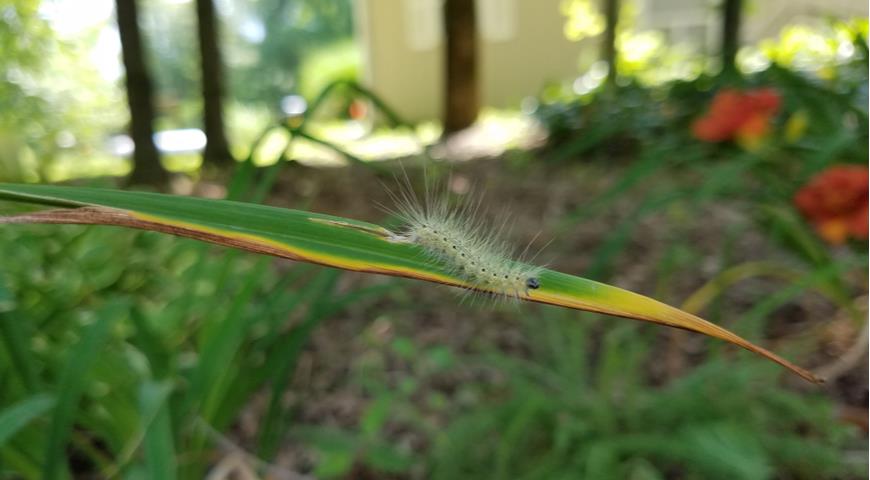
{"x": 521, "y": 47}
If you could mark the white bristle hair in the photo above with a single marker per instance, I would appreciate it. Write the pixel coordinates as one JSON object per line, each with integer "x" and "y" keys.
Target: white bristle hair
{"x": 463, "y": 243}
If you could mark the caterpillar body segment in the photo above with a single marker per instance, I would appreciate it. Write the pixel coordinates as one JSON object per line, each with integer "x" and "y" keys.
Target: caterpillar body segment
{"x": 467, "y": 248}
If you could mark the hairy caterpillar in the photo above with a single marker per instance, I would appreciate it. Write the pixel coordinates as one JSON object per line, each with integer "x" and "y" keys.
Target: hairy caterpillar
{"x": 458, "y": 240}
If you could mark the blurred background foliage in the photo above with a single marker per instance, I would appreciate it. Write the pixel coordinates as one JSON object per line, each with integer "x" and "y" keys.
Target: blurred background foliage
{"x": 738, "y": 195}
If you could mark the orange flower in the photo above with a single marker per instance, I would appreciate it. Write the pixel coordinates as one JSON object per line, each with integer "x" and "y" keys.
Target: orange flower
{"x": 835, "y": 202}
{"x": 741, "y": 116}
{"x": 357, "y": 109}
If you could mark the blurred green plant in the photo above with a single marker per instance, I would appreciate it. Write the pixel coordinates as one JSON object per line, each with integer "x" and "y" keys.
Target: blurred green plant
{"x": 276, "y": 140}
{"x": 339, "y": 61}
{"x": 275, "y": 39}
{"x": 818, "y": 48}
{"x": 823, "y": 123}
{"x": 117, "y": 388}
{"x": 580, "y": 406}
{"x": 586, "y": 118}
{"x": 132, "y": 355}
{"x": 45, "y": 115}
{"x": 184, "y": 343}
{"x": 646, "y": 56}
{"x": 396, "y": 377}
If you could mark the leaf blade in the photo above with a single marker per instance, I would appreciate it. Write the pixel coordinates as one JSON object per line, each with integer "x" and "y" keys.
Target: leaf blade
{"x": 15, "y": 417}
{"x": 336, "y": 242}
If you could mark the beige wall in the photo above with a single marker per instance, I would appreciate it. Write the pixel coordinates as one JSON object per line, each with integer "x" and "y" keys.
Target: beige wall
{"x": 537, "y": 54}
{"x": 518, "y": 54}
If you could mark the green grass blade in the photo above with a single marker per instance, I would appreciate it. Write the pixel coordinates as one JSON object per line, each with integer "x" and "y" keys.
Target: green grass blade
{"x": 221, "y": 340}
{"x": 14, "y": 338}
{"x": 158, "y": 442}
{"x": 17, "y": 416}
{"x": 331, "y": 241}
{"x": 283, "y": 365}
{"x": 71, "y": 386}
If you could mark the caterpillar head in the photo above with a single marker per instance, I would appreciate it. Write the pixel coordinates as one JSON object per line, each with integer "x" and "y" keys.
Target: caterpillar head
{"x": 533, "y": 283}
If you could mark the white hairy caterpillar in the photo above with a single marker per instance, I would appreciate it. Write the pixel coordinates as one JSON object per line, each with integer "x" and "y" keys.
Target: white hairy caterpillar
{"x": 467, "y": 247}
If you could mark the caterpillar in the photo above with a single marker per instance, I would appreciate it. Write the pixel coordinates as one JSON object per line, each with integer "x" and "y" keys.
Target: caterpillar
{"x": 456, "y": 238}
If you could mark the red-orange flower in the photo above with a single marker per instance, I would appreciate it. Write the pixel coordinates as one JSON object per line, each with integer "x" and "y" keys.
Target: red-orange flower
{"x": 741, "y": 116}
{"x": 835, "y": 202}
{"x": 357, "y": 109}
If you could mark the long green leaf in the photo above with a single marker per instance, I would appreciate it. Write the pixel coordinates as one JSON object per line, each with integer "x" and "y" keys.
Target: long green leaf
{"x": 17, "y": 416}
{"x": 159, "y": 446}
{"x": 13, "y": 337}
{"x": 332, "y": 241}
{"x": 71, "y": 387}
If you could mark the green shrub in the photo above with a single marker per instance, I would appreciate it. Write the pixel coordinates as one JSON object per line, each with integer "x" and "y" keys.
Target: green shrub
{"x": 339, "y": 61}
{"x": 581, "y": 406}
{"x": 115, "y": 367}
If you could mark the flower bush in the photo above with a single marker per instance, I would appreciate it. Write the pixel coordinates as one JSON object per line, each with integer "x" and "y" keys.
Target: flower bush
{"x": 835, "y": 202}
{"x": 743, "y": 117}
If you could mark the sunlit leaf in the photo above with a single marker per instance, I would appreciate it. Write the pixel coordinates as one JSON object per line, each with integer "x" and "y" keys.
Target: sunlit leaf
{"x": 331, "y": 241}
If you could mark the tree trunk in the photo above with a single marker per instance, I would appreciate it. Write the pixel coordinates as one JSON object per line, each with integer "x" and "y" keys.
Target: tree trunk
{"x": 731, "y": 10}
{"x": 146, "y": 161}
{"x": 217, "y": 149}
{"x": 462, "y": 98}
{"x": 608, "y": 47}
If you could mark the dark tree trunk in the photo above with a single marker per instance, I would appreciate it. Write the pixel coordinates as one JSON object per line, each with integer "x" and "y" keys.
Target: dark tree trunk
{"x": 731, "y": 10}
{"x": 608, "y": 47}
{"x": 217, "y": 149}
{"x": 146, "y": 161}
{"x": 462, "y": 98}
